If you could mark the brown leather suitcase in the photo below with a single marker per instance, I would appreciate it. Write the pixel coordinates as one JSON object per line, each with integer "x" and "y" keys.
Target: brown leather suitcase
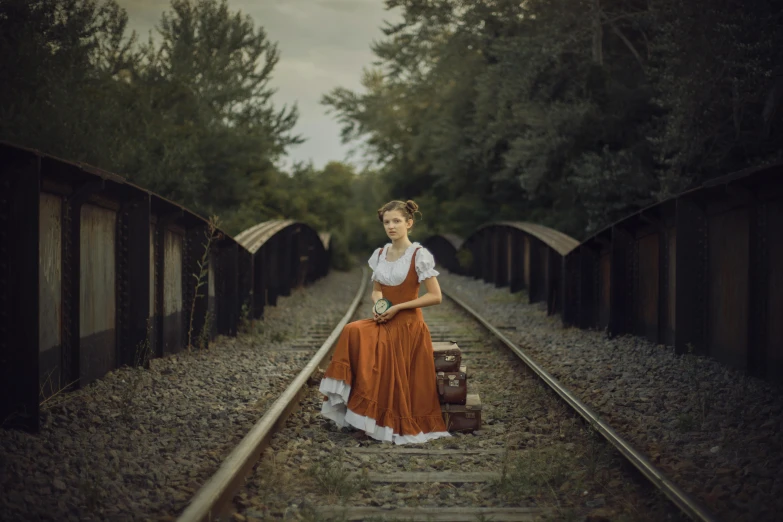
{"x": 448, "y": 356}
{"x": 464, "y": 418}
{"x": 453, "y": 386}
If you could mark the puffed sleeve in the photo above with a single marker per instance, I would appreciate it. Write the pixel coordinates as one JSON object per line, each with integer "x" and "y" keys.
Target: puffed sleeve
{"x": 373, "y": 262}
{"x": 425, "y": 264}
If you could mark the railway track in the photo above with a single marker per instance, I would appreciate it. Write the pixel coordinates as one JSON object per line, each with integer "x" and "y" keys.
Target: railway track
{"x": 534, "y": 458}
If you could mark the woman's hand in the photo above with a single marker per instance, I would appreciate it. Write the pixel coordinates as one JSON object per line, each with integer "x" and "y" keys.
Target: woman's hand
{"x": 388, "y": 314}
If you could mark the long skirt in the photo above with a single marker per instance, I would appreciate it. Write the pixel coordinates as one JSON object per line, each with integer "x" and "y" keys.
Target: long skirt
{"x": 382, "y": 380}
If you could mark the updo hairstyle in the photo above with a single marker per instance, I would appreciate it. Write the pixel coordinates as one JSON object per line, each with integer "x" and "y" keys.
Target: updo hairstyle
{"x": 407, "y": 208}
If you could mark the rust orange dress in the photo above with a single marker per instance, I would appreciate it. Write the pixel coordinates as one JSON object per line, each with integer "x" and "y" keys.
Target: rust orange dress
{"x": 381, "y": 378}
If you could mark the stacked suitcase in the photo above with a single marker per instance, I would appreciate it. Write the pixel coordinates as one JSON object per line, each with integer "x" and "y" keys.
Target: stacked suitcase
{"x": 461, "y": 410}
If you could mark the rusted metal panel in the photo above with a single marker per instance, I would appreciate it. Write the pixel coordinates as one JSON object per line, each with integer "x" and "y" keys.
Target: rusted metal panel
{"x": 545, "y": 252}
{"x": 620, "y": 285}
{"x": 671, "y": 303}
{"x": 501, "y": 257}
{"x": 605, "y": 263}
{"x": 173, "y": 309}
{"x": 510, "y": 253}
{"x": 211, "y": 296}
{"x": 646, "y": 306}
{"x": 588, "y": 287}
{"x": 258, "y": 270}
{"x": 542, "y": 256}
{"x": 245, "y": 283}
{"x": 20, "y": 183}
{"x": 571, "y": 276}
{"x": 773, "y": 349}
{"x": 153, "y": 320}
{"x": 153, "y": 309}
{"x": 135, "y": 290}
{"x": 537, "y": 287}
{"x": 228, "y": 293}
{"x": 526, "y": 261}
{"x": 271, "y": 279}
{"x": 97, "y": 293}
{"x": 690, "y": 296}
{"x": 288, "y": 265}
{"x": 487, "y": 261}
{"x": 727, "y": 306}
{"x": 554, "y": 282}
{"x": 516, "y": 238}
{"x": 50, "y": 292}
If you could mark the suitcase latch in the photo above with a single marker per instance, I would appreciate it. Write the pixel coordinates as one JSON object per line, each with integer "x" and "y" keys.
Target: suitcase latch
{"x": 451, "y": 358}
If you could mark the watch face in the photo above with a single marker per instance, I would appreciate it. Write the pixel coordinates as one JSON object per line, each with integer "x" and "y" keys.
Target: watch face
{"x": 381, "y": 305}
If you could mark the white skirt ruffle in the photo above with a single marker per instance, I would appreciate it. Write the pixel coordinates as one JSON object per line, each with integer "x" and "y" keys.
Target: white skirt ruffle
{"x": 335, "y": 409}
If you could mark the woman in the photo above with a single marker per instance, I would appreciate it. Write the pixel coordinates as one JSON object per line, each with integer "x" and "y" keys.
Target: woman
{"x": 382, "y": 375}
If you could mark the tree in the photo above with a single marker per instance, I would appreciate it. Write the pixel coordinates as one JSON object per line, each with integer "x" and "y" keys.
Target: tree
{"x": 191, "y": 118}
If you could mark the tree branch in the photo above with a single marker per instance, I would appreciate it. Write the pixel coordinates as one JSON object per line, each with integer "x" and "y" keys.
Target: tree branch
{"x": 626, "y": 41}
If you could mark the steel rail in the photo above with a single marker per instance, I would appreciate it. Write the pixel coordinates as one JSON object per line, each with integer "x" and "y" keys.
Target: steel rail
{"x": 680, "y": 498}
{"x": 216, "y": 494}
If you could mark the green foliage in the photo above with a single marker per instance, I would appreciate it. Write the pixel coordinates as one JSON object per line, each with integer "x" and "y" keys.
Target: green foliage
{"x": 571, "y": 114}
{"x": 190, "y": 118}
{"x": 567, "y": 113}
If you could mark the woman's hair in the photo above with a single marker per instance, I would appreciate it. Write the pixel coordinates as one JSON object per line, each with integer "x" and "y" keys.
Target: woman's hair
{"x": 407, "y": 208}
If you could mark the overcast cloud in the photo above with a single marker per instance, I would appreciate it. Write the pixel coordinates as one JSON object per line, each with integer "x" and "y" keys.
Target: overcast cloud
{"x": 323, "y": 44}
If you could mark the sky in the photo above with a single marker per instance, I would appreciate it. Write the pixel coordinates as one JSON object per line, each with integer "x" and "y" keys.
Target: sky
{"x": 323, "y": 44}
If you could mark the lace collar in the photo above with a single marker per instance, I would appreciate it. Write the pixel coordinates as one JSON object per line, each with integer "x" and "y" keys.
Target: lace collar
{"x": 404, "y": 255}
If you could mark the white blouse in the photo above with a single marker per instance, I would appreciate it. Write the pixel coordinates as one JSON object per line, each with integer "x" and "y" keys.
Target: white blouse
{"x": 393, "y": 273}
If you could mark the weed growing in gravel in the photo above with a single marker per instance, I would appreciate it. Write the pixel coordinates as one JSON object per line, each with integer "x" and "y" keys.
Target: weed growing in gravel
{"x": 203, "y": 336}
{"x": 566, "y": 515}
{"x": 702, "y": 398}
{"x": 536, "y": 470}
{"x": 597, "y": 454}
{"x": 143, "y": 352}
{"x": 333, "y": 480}
{"x": 274, "y": 483}
{"x": 92, "y": 491}
{"x": 685, "y": 423}
{"x": 245, "y": 319}
{"x": 212, "y": 234}
{"x": 278, "y": 337}
{"x": 310, "y": 514}
{"x": 50, "y": 395}
{"x": 141, "y": 359}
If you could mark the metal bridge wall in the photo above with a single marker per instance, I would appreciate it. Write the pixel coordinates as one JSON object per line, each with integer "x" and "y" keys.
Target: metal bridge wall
{"x": 702, "y": 272}
{"x": 96, "y": 273}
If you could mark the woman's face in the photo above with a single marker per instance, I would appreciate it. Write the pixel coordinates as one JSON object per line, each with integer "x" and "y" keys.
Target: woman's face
{"x": 395, "y": 224}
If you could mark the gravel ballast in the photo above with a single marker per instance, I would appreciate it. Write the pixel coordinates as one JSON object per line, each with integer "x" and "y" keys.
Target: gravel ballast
{"x": 714, "y": 431}
{"x": 136, "y": 444}
{"x": 533, "y": 452}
